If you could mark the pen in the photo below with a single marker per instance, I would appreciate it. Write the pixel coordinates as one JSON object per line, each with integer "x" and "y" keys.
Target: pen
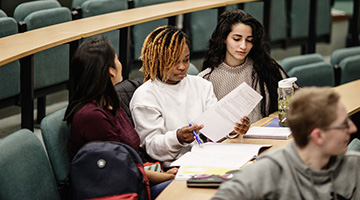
{"x": 196, "y": 136}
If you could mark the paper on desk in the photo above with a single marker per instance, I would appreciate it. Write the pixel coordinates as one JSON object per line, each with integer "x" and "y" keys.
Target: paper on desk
{"x": 185, "y": 172}
{"x": 220, "y": 120}
{"x": 219, "y": 155}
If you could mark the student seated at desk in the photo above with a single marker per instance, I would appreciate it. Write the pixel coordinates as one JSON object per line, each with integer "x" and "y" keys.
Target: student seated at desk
{"x": 237, "y": 53}
{"x": 169, "y": 98}
{"x": 316, "y": 165}
{"x": 94, "y": 111}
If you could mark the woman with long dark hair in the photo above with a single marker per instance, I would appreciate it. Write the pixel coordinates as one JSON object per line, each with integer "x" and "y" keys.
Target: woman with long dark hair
{"x": 237, "y": 53}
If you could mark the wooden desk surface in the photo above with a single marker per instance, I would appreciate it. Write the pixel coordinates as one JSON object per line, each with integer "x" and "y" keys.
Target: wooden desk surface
{"x": 178, "y": 189}
{"x": 24, "y": 44}
{"x": 349, "y": 93}
{"x": 350, "y": 96}
{"x": 21, "y": 45}
{"x": 112, "y": 21}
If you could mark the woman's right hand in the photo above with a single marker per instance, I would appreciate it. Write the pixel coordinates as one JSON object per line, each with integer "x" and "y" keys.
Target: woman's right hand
{"x": 185, "y": 134}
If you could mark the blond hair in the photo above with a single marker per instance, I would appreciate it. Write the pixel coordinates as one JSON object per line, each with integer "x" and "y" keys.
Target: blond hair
{"x": 310, "y": 108}
{"x": 161, "y": 50}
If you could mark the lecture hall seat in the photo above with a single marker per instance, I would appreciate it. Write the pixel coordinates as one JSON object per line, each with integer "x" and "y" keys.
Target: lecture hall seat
{"x": 278, "y": 20}
{"x": 89, "y": 8}
{"x": 299, "y": 21}
{"x": 55, "y": 133}
{"x": 25, "y": 171}
{"x": 9, "y": 73}
{"x": 346, "y": 62}
{"x": 310, "y": 70}
{"x": 140, "y": 31}
{"x": 51, "y": 66}
{"x": 199, "y": 26}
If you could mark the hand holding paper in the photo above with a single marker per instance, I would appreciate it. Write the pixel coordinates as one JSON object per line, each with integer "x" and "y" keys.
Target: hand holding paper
{"x": 220, "y": 119}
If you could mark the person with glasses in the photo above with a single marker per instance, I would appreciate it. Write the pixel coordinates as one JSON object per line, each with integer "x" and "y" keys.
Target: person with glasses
{"x": 316, "y": 165}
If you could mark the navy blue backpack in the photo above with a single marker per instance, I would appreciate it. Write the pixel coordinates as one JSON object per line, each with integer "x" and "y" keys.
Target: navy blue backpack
{"x": 108, "y": 170}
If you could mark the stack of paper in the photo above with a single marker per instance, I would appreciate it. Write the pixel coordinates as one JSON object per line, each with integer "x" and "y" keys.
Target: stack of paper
{"x": 268, "y": 132}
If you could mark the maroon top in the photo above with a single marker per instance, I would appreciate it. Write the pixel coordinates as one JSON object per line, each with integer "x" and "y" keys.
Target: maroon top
{"x": 92, "y": 123}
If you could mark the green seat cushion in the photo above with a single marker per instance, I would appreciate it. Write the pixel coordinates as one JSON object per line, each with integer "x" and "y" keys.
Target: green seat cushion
{"x": 314, "y": 74}
{"x": 291, "y": 62}
{"x": 24, "y": 9}
{"x": 350, "y": 69}
{"x": 338, "y": 55}
{"x": 25, "y": 171}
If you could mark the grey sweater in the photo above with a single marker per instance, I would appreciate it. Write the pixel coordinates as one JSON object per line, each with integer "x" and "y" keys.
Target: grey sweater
{"x": 281, "y": 174}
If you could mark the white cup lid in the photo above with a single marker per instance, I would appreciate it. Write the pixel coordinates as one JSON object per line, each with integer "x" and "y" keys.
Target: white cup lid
{"x": 286, "y": 83}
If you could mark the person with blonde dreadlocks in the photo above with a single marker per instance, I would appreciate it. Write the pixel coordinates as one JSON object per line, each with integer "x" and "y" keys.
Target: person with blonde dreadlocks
{"x": 169, "y": 98}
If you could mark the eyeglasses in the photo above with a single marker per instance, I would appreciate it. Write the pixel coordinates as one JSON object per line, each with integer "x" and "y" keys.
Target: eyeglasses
{"x": 340, "y": 127}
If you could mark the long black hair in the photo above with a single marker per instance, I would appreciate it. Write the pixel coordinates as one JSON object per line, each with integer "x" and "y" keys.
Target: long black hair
{"x": 91, "y": 80}
{"x": 265, "y": 67}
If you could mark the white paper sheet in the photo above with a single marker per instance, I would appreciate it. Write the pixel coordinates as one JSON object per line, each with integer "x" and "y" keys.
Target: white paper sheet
{"x": 220, "y": 155}
{"x": 220, "y": 120}
{"x": 269, "y": 132}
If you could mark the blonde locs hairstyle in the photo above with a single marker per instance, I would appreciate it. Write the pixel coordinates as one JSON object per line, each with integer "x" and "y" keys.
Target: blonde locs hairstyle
{"x": 161, "y": 50}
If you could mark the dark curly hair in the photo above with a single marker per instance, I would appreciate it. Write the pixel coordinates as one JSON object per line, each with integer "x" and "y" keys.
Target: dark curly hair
{"x": 265, "y": 67}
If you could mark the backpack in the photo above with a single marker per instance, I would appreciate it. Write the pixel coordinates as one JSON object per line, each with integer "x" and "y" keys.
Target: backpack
{"x": 108, "y": 170}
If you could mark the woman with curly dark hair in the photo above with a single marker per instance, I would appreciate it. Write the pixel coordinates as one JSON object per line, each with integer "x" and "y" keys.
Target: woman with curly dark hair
{"x": 237, "y": 53}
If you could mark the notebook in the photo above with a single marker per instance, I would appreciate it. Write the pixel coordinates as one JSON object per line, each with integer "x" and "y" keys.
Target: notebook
{"x": 271, "y": 122}
{"x": 208, "y": 180}
{"x": 268, "y": 132}
{"x": 215, "y": 158}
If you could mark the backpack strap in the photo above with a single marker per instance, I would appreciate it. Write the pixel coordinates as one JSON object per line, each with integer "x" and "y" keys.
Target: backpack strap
{"x": 140, "y": 166}
{"x": 145, "y": 179}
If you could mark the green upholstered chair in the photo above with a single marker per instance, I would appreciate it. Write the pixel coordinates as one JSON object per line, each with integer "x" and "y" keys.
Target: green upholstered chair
{"x": 55, "y": 133}
{"x": 291, "y": 62}
{"x": 77, "y": 3}
{"x": 9, "y": 73}
{"x": 310, "y": 70}
{"x": 350, "y": 69}
{"x": 25, "y": 171}
{"x": 199, "y": 26}
{"x": 140, "y": 31}
{"x": 299, "y": 18}
{"x": 89, "y": 8}
{"x": 278, "y": 22}
{"x": 347, "y": 64}
{"x": 51, "y": 66}
{"x": 338, "y": 55}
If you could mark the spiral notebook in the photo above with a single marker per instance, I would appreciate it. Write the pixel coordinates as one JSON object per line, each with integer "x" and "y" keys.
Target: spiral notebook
{"x": 269, "y": 133}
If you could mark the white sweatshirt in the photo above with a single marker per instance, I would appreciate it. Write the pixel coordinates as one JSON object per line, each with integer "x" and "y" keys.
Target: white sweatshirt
{"x": 159, "y": 109}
